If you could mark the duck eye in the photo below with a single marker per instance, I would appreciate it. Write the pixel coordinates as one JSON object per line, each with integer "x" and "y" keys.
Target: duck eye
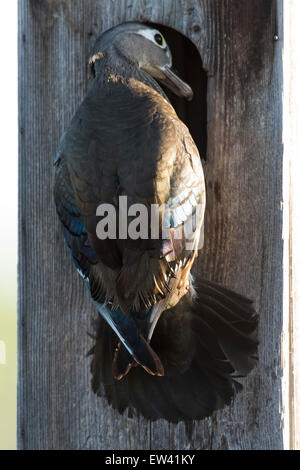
{"x": 159, "y": 39}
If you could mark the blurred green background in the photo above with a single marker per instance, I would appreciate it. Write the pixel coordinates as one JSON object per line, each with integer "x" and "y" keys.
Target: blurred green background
{"x": 8, "y": 224}
{"x": 8, "y": 370}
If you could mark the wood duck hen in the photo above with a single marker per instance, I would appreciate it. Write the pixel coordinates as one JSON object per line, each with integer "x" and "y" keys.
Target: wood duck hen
{"x": 165, "y": 346}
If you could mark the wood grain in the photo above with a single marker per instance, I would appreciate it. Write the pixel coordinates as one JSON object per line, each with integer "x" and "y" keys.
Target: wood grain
{"x": 291, "y": 226}
{"x": 243, "y": 246}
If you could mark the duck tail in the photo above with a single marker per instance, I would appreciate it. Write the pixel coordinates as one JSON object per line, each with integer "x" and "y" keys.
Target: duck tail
{"x": 205, "y": 343}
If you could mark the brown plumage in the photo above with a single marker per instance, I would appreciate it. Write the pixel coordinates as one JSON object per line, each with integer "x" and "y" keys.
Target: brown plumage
{"x": 126, "y": 140}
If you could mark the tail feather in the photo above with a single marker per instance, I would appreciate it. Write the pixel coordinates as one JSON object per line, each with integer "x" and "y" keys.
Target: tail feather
{"x": 204, "y": 343}
{"x": 123, "y": 361}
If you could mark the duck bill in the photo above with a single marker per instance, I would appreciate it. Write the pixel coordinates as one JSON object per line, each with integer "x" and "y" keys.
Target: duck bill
{"x": 171, "y": 80}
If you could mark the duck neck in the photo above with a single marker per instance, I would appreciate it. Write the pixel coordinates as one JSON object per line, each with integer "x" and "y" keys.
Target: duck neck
{"x": 106, "y": 70}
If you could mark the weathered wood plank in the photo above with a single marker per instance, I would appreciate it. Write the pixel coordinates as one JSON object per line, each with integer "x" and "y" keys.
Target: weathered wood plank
{"x": 291, "y": 229}
{"x": 243, "y": 247}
